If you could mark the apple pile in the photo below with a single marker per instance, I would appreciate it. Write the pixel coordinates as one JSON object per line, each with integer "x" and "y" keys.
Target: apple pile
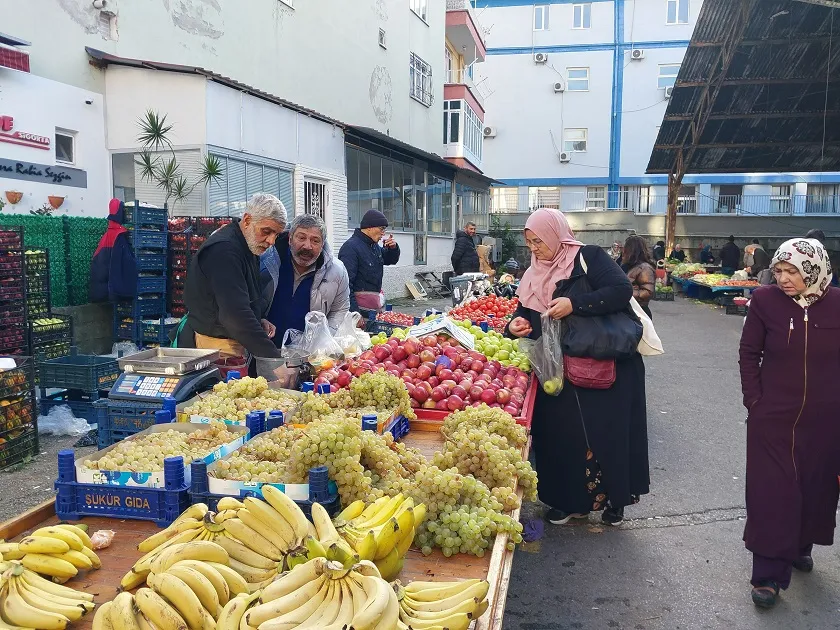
{"x": 439, "y": 374}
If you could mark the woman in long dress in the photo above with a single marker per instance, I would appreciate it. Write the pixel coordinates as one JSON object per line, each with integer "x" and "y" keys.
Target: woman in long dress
{"x": 591, "y": 445}
{"x": 790, "y": 361}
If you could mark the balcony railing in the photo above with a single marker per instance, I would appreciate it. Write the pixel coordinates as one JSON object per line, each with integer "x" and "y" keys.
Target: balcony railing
{"x": 463, "y": 76}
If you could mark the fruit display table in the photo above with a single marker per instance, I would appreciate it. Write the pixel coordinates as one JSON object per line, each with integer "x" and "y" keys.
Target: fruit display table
{"x": 119, "y": 557}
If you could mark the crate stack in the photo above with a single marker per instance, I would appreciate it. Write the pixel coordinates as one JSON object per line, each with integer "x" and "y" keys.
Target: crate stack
{"x": 38, "y": 300}
{"x": 180, "y": 229}
{"x": 18, "y": 419}
{"x": 83, "y": 382}
{"x": 13, "y": 315}
{"x": 142, "y": 320}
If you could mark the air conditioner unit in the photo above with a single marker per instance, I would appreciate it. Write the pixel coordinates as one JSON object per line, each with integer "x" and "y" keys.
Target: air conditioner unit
{"x": 540, "y": 57}
{"x": 637, "y": 54}
{"x": 565, "y": 157}
{"x": 559, "y": 86}
{"x": 489, "y": 132}
{"x": 668, "y": 91}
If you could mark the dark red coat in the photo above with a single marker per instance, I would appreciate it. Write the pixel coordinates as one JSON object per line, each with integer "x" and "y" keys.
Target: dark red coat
{"x": 790, "y": 362}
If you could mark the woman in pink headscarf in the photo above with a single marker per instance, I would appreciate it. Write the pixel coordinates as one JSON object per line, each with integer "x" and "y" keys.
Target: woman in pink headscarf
{"x": 590, "y": 444}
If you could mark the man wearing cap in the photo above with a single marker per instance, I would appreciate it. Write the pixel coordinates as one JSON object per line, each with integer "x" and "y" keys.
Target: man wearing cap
{"x": 365, "y": 258}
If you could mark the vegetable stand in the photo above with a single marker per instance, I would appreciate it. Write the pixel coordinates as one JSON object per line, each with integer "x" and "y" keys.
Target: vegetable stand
{"x": 118, "y": 558}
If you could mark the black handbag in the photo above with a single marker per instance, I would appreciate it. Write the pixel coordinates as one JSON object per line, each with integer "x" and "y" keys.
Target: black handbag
{"x": 611, "y": 336}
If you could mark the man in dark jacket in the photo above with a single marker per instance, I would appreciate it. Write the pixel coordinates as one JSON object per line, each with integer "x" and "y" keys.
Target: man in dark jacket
{"x": 364, "y": 259}
{"x": 113, "y": 268}
{"x": 465, "y": 255}
{"x": 223, "y": 292}
{"x": 730, "y": 256}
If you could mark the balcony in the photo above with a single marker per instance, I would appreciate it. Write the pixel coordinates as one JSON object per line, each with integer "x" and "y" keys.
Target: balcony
{"x": 463, "y": 77}
{"x": 464, "y": 31}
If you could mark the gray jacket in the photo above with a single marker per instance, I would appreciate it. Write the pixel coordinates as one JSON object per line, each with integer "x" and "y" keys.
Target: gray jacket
{"x": 330, "y": 287}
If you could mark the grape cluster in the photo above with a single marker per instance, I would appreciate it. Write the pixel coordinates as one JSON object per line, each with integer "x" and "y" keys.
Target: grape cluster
{"x": 384, "y": 391}
{"x": 491, "y": 419}
{"x": 146, "y": 453}
{"x": 262, "y": 459}
{"x": 235, "y": 399}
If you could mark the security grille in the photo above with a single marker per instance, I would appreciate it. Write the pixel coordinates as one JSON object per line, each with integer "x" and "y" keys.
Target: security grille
{"x": 315, "y": 198}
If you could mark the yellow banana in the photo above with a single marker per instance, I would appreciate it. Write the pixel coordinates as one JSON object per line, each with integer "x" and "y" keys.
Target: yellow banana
{"x": 66, "y": 601}
{"x": 382, "y": 515}
{"x": 263, "y": 529}
{"x": 122, "y": 612}
{"x": 82, "y": 534}
{"x": 273, "y": 520}
{"x": 73, "y": 612}
{"x": 366, "y": 567}
{"x": 345, "y": 611}
{"x": 132, "y": 580}
{"x": 364, "y": 544}
{"x": 236, "y": 584}
{"x": 143, "y": 622}
{"x": 180, "y": 596}
{"x": 33, "y": 579}
{"x": 234, "y": 611}
{"x": 314, "y": 548}
{"x": 42, "y": 544}
{"x": 405, "y": 542}
{"x": 370, "y": 510}
{"x": 251, "y": 574}
{"x": 229, "y": 503}
{"x": 90, "y": 554}
{"x": 208, "y": 623}
{"x": 378, "y": 605}
{"x": 251, "y": 539}
{"x": 102, "y": 618}
{"x": 327, "y": 533}
{"x": 224, "y": 515}
{"x": 77, "y": 558}
{"x": 357, "y": 593}
{"x": 391, "y": 565}
{"x": 237, "y": 551}
{"x": 194, "y": 550}
{"x": 145, "y": 563}
{"x": 196, "y": 511}
{"x": 419, "y": 514}
{"x": 282, "y": 605}
{"x": 354, "y": 510}
{"x": 300, "y": 614}
{"x": 11, "y": 551}
{"x": 386, "y": 539}
{"x": 456, "y": 621}
{"x": 466, "y": 606}
{"x": 157, "y": 611}
{"x": 199, "y": 585}
{"x": 437, "y": 592}
{"x": 49, "y": 565}
{"x": 20, "y": 613}
{"x": 158, "y": 538}
{"x": 289, "y": 510}
{"x": 216, "y": 579}
{"x": 294, "y": 579}
{"x": 66, "y": 535}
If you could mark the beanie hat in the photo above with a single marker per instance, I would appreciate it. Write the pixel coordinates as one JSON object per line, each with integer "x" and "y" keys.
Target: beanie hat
{"x": 373, "y": 219}
{"x": 116, "y": 211}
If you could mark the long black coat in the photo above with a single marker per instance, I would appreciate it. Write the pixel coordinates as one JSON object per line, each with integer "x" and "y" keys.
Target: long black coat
{"x": 464, "y": 255}
{"x": 611, "y": 422}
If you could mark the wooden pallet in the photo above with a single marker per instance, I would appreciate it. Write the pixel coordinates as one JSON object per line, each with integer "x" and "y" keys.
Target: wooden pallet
{"x": 122, "y": 554}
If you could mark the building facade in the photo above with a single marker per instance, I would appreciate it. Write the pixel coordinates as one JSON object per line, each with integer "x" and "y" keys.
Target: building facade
{"x": 576, "y": 94}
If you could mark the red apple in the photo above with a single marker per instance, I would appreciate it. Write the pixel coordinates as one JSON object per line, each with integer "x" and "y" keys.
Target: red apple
{"x": 517, "y": 399}
{"x": 414, "y": 404}
{"x": 423, "y": 372}
{"x": 475, "y": 393}
{"x": 367, "y": 355}
{"x": 517, "y": 390}
{"x": 495, "y": 365}
{"x": 399, "y": 353}
{"x": 429, "y": 341}
{"x": 477, "y": 403}
{"x": 454, "y": 403}
{"x": 477, "y": 366}
{"x": 451, "y": 352}
{"x": 343, "y": 379}
{"x": 408, "y": 381}
{"x": 438, "y": 393}
{"x": 488, "y": 396}
{"x": 445, "y": 374}
{"x": 388, "y": 364}
{"x": 472, "y": 375}
{"x": 511, "y": 410}
{"x": 509, "y": 380}
{"x": 360, "y": 370}
{"x": 393, "y": 372}
{"x": 402, "y": 365}
{"x": 419, "y": 394}
{"x": 503, "y": 396}
{"x": 411, "y": 345}
{"x": 465, "y": 382}
{"x": 333, "y": 388}
{"x": 442, "y": 338}
{"x": 460, "y": 392}
{"x": 458, "y": 375}
{"x": 433, "y": 380}
{"x": 466, "y": 364}
{"x": 427, "y": 356}
{"x": 382, "y": 352}
{"x": 412, "y": 361}
{"x": 477, "y": 356}
{"x": 441, "y": 404}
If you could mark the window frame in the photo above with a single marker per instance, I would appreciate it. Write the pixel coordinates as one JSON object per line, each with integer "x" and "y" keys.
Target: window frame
{"x": 544, "y": 11}
{"x": 451, "y": 111}
{"x": 420, "y": 80}
{"x": 420, "y": 9}
{"x": 677, "y": 4}
{"x": 584, "y": 7}
{"x": 585, "y": 140}
{"x": 599, "y": 199}
{"x": 570, "y": 80}
{"x": 67, "y": 134}
{"x": 660, "y": 76}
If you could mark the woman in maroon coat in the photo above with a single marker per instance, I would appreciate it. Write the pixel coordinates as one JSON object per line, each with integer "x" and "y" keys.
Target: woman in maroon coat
{"x": 790, "y": 361}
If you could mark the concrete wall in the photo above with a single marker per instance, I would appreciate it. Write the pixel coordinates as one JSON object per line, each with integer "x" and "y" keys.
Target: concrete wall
{"x": 93, "y": 327}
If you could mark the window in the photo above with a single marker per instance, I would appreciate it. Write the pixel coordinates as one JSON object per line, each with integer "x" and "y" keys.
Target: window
{"x": 377, "y": 183}
{"x": 822, "y": 199}
{"x": 582, "y": 15}
{"x": 780, "y": 199}
{"x": 451, "y": 122}
{"x": 473, "y": 132}
{"x": 667, "y": 75}
{"x": 596, "y": 197}
{"x": 729, "y": 199}
{"x": 241, "y": 180}
{"x": 439, "y": 196}
{"x": 574, "y": 140}
{"x": 419, "y": 8}
{"x": 677, "y": 11}
{"x": 382, "y": 38}
{"x": 107, "y": 25}
{"x": 65, "y": 147}
{"x": 541, "y": 17}
{"x": 122, "y": 173}
{"x": 450, "y": 67}
{"x": 544, "y": 197}
{"x": 687, "y": 200}
{"x": 578, "y": 79}
{"x": 504, "y": 199}
{"x": 421, "y": 80}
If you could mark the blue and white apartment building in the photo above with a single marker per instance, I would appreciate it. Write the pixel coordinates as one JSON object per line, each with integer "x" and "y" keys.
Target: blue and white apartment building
{"x": 575, "y": 94}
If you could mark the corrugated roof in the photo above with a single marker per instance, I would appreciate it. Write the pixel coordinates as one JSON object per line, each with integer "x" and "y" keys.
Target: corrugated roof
{"x": 777, "y": 105}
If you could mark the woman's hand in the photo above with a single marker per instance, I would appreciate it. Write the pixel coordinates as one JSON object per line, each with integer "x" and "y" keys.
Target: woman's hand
{"x": 520, "y": 327}
{"x": 559, "y": 308}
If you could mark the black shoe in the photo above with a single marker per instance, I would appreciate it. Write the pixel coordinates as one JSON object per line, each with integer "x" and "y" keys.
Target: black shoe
{"x": 766, "y": 594}
{"x": 613, "y": 516}
{"x": 559, "y": 517}
{"x": 804, "y": 564}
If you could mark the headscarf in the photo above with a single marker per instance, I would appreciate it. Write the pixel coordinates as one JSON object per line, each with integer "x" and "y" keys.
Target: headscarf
{"x": 811, "y": 259}
{"x": 707, "y": 248}
{"x": 540, "y": 279}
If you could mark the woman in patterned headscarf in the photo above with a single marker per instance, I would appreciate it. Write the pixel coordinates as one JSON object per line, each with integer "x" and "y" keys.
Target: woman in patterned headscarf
{"x": 790, "y": 359}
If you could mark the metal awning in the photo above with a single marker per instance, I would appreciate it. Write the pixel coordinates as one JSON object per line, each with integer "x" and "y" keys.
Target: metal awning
{"x": 758, "y": 91}
{"x": 10, "y": 40}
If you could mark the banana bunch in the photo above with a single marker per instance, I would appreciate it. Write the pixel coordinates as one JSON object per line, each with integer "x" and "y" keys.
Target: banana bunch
{"x": 29, "y": 601}
{"x": 327, "y": 595}
{"x": 58, "y": 551}
{"x": 383, "y": 531}
{"x": 438, "y": 605}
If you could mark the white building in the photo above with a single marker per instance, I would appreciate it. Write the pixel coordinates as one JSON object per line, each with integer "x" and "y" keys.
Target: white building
{"x": 577, "y": 91}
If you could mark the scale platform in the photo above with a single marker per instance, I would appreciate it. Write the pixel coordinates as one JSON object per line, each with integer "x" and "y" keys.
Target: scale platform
{"x": 153, "y": 375}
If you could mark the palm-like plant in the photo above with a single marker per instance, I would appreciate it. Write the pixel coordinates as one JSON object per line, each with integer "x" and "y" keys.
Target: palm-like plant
{"x": 159, "y": 165}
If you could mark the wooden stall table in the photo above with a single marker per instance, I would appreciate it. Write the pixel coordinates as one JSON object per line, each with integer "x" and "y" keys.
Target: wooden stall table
{"x": 122, "y": 554}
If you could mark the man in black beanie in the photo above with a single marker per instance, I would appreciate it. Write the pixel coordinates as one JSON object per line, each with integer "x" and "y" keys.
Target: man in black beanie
{"x": 365, "y": 259}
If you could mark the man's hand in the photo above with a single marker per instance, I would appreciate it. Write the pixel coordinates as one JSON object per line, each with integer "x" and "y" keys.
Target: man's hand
{"x": 559, "y": 308}
{"x": 269, "y": 328}
{"x": 390, "y": 243}
{"x": 520, "y": 327}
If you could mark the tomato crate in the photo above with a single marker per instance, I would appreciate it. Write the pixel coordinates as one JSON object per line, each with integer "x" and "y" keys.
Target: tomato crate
{"x": 11, "y": 266}
{"x": 12, "y": 313}
{"x": 205, "y": 226}
{"x": 145, "y": 215}
{"x": 19, "y": 379}
{"x": 179, "y": 224}
{"x": 125, "y": 418}
{"x": 17, "y": 412}
{"x": 179, "y": 262}
{"x": 18, "y": 446}
{"x": 85, "y": 372}
{"x": 162, "y": 505}
{"x": 11, "y": 289}
{"x": 12, "y": 339}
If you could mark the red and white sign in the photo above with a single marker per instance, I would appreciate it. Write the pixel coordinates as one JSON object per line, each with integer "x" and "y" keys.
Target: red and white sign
{"x": 7, "y": 123}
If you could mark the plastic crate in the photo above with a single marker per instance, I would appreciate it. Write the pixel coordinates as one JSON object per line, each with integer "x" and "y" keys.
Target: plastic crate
{"x": 319, "y": 490}
{"x": 18, "y": 447}
{"x": 150, "y": 261}
{"x": 151, "y": 284}
{"x": 125, "y": 418}
{"x": 736, "y": 309}
{"x": 205, "y": 226}
{"x": 148, "y": 304}
{"x": 37, "y": 305}
{"x": 13, "y": 339}
{"x": 18, "y": 380}
{"x": 146, "y": 216}
{"x": 86, "y": 372}
{"x": 663, "y": 296}
{"x": 152, "y": 239}
{"x": 19, "y": 412}
{"x": 60, "y": 324}
{"x": 11, "y": 236}
{"x": 12, "y": 313}
{"x": 52, "y": 349}
{"x": 157, "y": 332}
{"x": 11, "y": 266}
{"x": 11, "y": 290}
{"x": 179, "y": 224}
{"x": 91, "y": 410}
{"x": 36, "y": 262}
{"x": 161, "y": 505}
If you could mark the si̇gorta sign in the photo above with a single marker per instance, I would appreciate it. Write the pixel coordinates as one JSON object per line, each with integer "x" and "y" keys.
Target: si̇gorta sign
{"x": 43, "y": 173}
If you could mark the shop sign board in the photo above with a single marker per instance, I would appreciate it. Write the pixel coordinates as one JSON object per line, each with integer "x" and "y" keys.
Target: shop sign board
{"x": 7, "y": 134}
{"x": 43, "y": 173}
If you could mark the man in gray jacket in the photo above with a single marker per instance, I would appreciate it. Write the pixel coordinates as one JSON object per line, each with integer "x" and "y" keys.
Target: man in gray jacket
{"x": 299, "y": 274}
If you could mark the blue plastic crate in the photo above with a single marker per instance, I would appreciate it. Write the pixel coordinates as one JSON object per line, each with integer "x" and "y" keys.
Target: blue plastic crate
{"x": 151, "y": 284}
{"x": 94, "y": 411}
{"x": 86, "y": 372}
{"x": 151, "y": 261}
{"x": 399, "y": 427}
{"x": 152, "y": 239}
{"x": 156, "y": 332}
{"x": 125, "y": 418}
{"x": 148, "y": 304}
{"x": 321, "y": 490}
{"x": 161, "y": 505}
{"x": 146, "y": 216}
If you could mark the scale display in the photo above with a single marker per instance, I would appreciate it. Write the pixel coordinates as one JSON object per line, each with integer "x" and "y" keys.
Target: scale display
{"x": 146, "y": 386}
{"x": 155, "y": 387}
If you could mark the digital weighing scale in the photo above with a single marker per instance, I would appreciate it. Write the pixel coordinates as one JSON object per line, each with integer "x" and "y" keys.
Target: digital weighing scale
{"x": 160, "y": 373}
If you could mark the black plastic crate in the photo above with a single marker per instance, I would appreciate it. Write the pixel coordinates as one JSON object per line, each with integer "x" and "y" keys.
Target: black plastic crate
{"x": 36, "y": 261}
{"x": 11, "y": 266}
{"x": 37, "y": 305}
{"x": 663, "y": 296}
{"x": 52, "y": 349}
{"x": 13, "y": 339}
{"x": 17, "y": 412}
{"x": 205, "y": 226}
{"x": 11, "y": 289}
{"x": 18, "y": 380}
{"x": 11, "y": 237}
{"x": 736, "y": 309}
{"x": 85, "y": 372}
{"x": 19, "y": 446}
{"x": 13, "y": 313}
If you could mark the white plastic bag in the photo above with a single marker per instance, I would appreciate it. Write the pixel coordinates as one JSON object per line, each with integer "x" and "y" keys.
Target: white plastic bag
{"x": 61, "y": 421}
{"x": 318, "y": 340}
{"x": 350, "y": 338}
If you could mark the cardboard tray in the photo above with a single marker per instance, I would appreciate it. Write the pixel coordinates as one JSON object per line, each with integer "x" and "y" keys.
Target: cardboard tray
{"x": 181, "y": 415}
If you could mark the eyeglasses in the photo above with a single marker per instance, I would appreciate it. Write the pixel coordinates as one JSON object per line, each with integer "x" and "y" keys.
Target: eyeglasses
{"x": 533, "y": 242}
